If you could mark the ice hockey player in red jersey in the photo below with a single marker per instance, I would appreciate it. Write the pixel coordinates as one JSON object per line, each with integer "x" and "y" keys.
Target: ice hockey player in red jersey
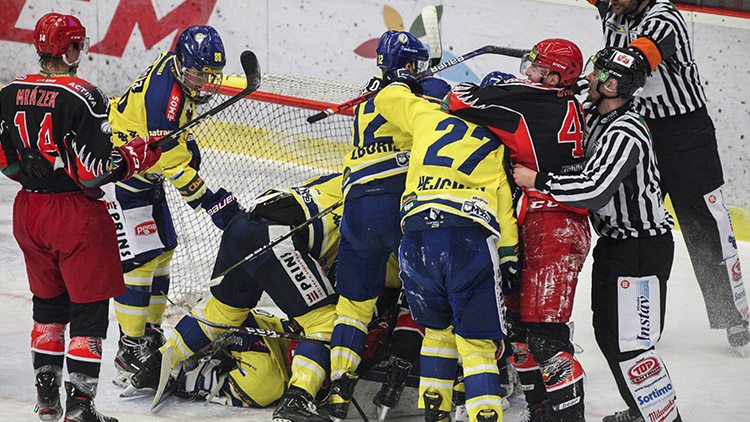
{"x": 55, "y": 140}
{"x": 541, "y": 122}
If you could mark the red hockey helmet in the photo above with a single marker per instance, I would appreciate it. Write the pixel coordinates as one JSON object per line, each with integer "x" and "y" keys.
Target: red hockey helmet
{"x": 556, "y": 55}
{"x": 55, "y": 32}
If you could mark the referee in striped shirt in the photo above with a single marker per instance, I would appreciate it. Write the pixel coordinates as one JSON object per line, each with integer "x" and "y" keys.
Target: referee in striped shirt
{"x": 633, "y": 255}
{"x": 674, "y": 105}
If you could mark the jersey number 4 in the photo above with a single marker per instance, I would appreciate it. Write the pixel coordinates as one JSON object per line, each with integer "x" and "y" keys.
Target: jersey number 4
{"x": 572, "y": 128}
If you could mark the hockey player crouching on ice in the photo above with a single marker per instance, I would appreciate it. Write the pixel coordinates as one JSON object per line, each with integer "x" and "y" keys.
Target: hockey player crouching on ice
{"x": 162, "y": 99}
{"x": 293, "y": 273}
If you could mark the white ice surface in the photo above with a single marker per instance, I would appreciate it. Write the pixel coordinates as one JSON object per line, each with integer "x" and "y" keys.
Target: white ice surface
{"x": 711, "y": 384}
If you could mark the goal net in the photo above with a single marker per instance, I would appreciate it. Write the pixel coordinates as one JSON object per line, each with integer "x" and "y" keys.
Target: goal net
{"x": 259, "y": 143}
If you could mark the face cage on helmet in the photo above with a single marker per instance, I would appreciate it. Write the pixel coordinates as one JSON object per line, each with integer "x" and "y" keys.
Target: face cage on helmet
{"x": 422, "y": 64}
{"x": 191, "y": 77}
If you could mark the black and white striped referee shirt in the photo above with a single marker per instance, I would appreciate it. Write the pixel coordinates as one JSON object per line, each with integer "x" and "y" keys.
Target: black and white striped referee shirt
{"x": 674, "y": 87}
{"x": 620, "y": 182}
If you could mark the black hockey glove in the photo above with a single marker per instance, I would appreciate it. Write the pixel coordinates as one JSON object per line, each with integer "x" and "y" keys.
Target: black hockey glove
{"x": 405, "y": 77}
{"x": 373, "y": 84}
{"x": 192, "y": 147}
{"x": 509, "y": 269}
{"x": 221, "y": 206}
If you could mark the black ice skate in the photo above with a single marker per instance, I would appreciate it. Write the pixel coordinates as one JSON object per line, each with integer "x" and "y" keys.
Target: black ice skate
{"x": 147, "y": 377}
{"x": 296, "y": 405}
{"x": 80, "y": 407}
{"x": 487, "y": 415}
{"x": 541, "y": 412}
{"x": 629, "y": 415}
{"x": 395, "y": 380}
{"x": 432, "y": 412}
{"x": 154, "y": 335}
{"x": 48, "y": 396}
{"x": 133, "y": 352}
{"x": 342, "y": 391}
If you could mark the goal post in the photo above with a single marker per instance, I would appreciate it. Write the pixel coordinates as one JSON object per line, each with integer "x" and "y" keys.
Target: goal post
{"x": 259, "y": 143}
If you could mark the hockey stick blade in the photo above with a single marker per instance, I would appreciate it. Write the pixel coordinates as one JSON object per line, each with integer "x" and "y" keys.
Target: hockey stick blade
{"x": 166, "y": 368}
{"x": 258, "y": 252}
{"x": 261, "y": 332}
{"x": 488, "y": 49}
{"x": 432, "y": 29}
{"x": 251, "y": 67}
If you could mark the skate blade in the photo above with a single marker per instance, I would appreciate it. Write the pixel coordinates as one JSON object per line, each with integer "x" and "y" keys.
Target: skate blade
{"x": 132, "y": 392}
{"x": 121, "y": 379}
{"x": 382, "y": 412}
{"x": 462, "y": 415}
{"x": 741, "y": 352}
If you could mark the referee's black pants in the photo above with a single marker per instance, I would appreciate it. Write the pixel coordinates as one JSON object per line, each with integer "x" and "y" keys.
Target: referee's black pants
{"x": 691, "y": 174}
{"x": 617, "y": 262}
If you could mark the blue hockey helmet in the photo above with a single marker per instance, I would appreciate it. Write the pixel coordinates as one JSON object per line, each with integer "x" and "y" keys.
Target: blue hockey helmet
{"x": 200, "y": 60}
{"x": 396, "y": 48}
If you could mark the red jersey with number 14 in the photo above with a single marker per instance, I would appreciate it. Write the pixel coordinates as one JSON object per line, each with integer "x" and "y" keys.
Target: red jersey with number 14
{"x": 542, "y": 126}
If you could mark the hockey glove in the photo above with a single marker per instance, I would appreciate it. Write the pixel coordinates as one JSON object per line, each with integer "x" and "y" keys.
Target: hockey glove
{"x": 221, "y": 206}
{"x": 204, "y": 379}
{"x": 136, "y": 156}
{"x": 404, "y": 76}
{"x": 509, "y": 269}
{"x": 494, "y": 78}
{"x": 373, "y": 84}
{"x": 580, "y": 87}
{"x": 192, "y": 147}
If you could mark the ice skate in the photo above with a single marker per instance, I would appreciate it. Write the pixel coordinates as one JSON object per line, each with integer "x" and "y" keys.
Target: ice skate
{"x": 739, "y": 339}
{"x": 80, "y": 407}
{"x": 395, "y": 380}
{"x": 48, "y": 405}
{"x": 629, "y": 415}
{"x": 432, "y": 412}
{"x": 133, "y": 352}
{"x": 342, "y": 391}
{"x": 296, "y": 405}
{"x": 487, "y": 415}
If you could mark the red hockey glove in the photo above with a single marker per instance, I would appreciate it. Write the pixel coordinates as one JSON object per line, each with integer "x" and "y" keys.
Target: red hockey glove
{"x": 137, "y": 157}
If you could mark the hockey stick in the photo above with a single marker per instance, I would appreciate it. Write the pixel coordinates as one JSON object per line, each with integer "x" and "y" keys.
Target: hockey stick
{"x": 487, "y": 49}
{"x": 432, "y": 29}
{"x": 250, "y": 65}
{"x": 258, "y": 252}
{"x": 261, "y": 332}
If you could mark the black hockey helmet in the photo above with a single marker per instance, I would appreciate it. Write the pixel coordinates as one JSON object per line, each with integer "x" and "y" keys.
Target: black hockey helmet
{"x": 623, "y": 64}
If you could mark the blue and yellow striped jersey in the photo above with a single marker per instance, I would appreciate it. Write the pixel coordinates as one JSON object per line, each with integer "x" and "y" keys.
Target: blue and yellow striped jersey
{"x": 380, "y": 149}
{"x": 155, "y": 105}
{"x": 314, "y": 196}
{"x": 455, "y": 166}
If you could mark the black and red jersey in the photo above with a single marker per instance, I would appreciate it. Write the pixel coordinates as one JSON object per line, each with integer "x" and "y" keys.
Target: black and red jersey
{"x": 55, "y": 133}
{"x": 542, "y": 126}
